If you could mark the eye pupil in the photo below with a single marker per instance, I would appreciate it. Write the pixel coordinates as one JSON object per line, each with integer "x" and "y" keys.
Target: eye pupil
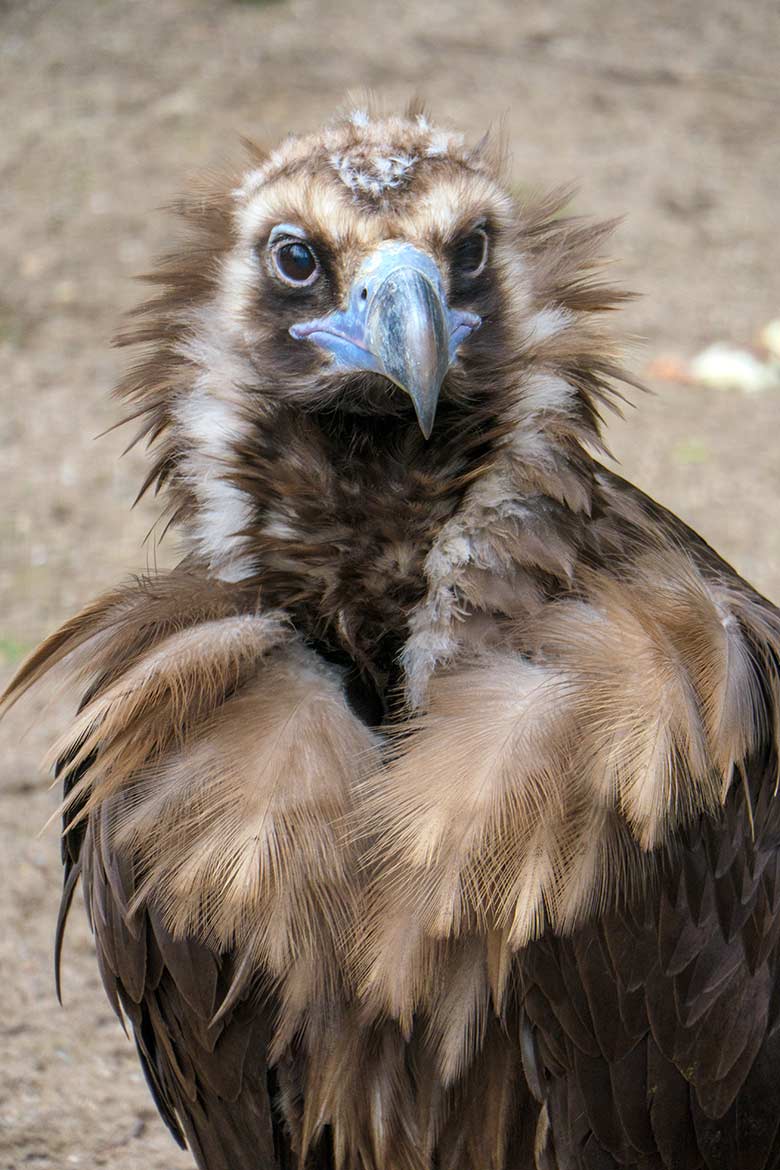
{"x": 296, "y": 262}
{"x": 471, "y": 253}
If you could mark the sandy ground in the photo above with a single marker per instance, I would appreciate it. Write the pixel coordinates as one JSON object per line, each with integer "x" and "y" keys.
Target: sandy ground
{"x": 664, "y": 110}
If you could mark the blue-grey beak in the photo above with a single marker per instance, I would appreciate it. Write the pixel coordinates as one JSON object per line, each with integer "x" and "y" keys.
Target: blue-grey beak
{"x": 397, "y": 323}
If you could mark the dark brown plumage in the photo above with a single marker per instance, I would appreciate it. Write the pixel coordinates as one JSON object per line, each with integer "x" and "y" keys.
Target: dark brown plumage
{"x": 427, "y": 813}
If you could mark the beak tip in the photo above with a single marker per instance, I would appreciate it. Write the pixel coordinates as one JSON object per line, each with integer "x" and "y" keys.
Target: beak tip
{"x": 425, "y": 422}
{"x": 404, "y": 330}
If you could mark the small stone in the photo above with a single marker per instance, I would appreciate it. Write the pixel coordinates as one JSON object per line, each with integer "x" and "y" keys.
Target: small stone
{"x": 723, "y": 367}
{"x": 770, "y": 338}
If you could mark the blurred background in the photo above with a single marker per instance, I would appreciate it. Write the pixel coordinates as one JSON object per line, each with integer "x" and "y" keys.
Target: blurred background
{"x": 662, "y": 111}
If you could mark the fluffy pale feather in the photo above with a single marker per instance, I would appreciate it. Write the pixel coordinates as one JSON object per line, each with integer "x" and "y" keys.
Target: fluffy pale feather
{"x": 114, "y": 629}
{"x": 238, "y": 832}
{"x": 523, "y": 796}
{"x": 151, "y": 705}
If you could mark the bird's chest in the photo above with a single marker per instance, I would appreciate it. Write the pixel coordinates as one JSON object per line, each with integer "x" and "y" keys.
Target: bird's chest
{"x": 351, "y": 569}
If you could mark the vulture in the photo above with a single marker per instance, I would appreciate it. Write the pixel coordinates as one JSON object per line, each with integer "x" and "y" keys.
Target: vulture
{"x": 426, "y": 814}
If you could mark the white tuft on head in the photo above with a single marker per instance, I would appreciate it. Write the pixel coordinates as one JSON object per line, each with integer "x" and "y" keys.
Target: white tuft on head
{"x": 373, "y": 173}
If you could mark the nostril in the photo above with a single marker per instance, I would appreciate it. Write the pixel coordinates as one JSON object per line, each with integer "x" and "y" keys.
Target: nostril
{"x": 364, "y": 294}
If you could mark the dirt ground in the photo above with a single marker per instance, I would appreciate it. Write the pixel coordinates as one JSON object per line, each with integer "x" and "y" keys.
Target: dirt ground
{"x": 665, "y": 110}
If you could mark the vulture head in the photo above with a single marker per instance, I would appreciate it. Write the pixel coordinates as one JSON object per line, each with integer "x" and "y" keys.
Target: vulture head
{"x": 356, "y": 327}
{"x": 365, "y": 268}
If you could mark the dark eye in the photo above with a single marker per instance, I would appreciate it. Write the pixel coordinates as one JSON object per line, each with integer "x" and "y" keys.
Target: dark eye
{"x": 470, "y": 255}
{"x": 296, "y": 263}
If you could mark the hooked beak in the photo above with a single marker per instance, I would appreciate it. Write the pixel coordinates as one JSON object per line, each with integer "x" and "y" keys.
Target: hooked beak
{"x": 397, "y": 323}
